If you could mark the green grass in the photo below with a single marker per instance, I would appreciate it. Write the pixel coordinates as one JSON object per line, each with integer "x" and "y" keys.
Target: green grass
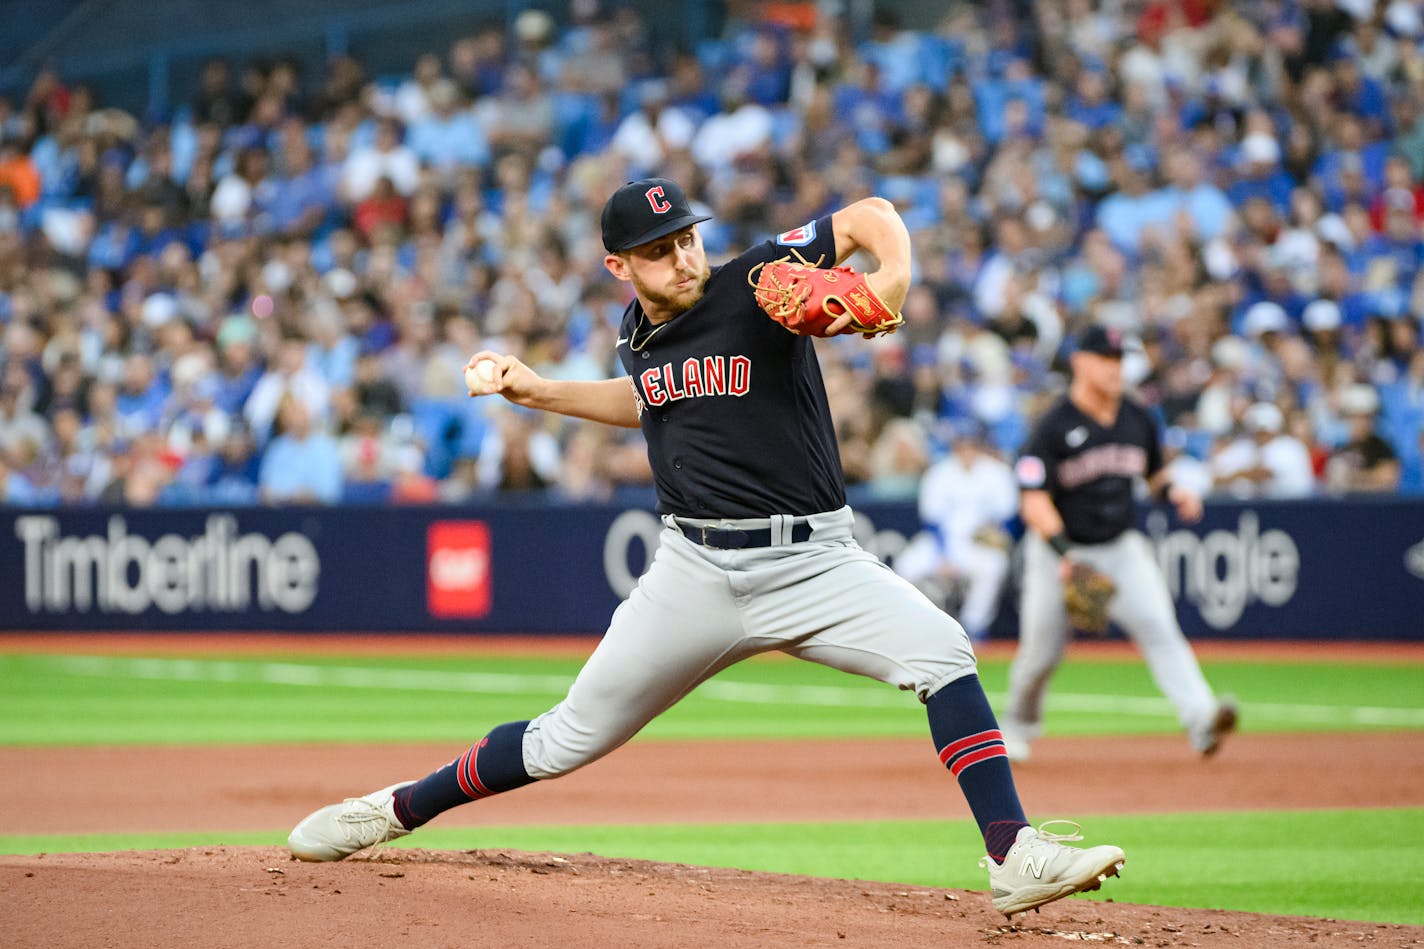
{"x": 70, "y": 700}
{"x": 1324, "y": 863}
{"x": 1313, "y": 863}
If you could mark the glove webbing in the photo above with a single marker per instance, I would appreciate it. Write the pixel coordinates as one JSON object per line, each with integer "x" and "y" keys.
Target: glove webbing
{"x": 786, "y": 300}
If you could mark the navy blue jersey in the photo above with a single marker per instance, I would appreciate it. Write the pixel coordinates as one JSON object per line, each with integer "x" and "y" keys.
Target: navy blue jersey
{"x": 1088, "y": 469}
{"x": 732, "y": 404}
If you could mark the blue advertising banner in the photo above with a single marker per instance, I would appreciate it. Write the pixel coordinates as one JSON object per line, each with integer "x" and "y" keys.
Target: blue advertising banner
{"x": 1324, "y": 569}
{"x": 1337, "y": 569}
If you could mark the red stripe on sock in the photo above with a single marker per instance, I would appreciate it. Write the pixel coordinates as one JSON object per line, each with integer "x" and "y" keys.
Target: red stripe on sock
{"x": 955, "y": 748}
{"x": 974, "y": 757}
{"x": 471, "y": 772}
{"x": 460, "y": 764}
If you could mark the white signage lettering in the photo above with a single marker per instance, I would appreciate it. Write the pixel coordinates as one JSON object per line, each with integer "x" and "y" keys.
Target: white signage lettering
{"x": 1221, "y": 573}
{"x": 218, "y": 571}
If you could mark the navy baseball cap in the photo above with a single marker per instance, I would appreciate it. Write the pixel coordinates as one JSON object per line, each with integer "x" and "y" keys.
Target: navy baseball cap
{"x": 645, "y": 210}
{"x": 1101, "y": 340}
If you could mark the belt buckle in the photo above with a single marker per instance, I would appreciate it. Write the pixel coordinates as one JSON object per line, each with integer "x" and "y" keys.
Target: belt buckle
{"x": 703, "y": 529}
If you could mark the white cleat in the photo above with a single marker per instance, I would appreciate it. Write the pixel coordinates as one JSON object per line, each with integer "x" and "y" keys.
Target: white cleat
{"x": 338, "y": 830}
{"x": 1016, "y": 749}
{"x": 1208, "y": 738}
{"x": 1038, "y": 869}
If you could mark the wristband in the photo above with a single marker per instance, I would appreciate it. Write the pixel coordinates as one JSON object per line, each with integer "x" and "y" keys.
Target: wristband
{"x": 1059, "y": 543}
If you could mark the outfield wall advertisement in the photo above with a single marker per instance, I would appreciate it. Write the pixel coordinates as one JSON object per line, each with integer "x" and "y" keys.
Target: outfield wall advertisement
{"x": 1328, "y": 569}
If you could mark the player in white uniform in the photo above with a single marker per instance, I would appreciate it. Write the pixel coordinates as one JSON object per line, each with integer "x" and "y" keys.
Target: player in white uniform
{"x": 1077, "y": 472}
{"x": 757, "y": 554}
{"x": 965, "y": 500}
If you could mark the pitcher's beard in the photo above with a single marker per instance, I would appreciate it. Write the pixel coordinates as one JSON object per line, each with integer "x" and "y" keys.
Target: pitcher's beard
{"x": 678, "y": 302}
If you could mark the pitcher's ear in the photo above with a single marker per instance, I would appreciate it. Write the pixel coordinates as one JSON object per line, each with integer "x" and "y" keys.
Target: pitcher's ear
{"x": 617, "y": 265}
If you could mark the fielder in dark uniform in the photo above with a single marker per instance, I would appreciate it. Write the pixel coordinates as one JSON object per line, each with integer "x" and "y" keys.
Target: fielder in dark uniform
{"x": 757, "y": 552}
{"x": 1077, "y": 473}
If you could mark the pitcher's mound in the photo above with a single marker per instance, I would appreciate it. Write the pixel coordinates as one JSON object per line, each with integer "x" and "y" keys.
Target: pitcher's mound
{"x": 259, "y": 897}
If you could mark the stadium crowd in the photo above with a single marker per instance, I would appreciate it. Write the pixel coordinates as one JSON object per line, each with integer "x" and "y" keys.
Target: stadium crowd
{"x": 268, "y": 296}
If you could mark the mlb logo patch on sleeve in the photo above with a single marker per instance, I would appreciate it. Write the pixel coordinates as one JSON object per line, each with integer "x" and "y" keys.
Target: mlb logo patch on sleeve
{"x": 1031, "y": 472}
{"x": 798, "y": 236}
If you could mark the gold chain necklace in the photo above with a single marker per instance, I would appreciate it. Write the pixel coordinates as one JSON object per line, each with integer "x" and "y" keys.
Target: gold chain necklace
{"x": 633, "y": 336}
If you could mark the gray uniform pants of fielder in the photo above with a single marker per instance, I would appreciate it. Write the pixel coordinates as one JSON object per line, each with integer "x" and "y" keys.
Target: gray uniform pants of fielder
{"x": 698, "y": 610}
{"x": 1142, "y": 607}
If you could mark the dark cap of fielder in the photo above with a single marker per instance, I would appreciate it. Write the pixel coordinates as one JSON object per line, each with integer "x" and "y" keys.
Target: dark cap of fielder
{"x": 645, "y": 210}
{"x": 1101, "y": 340}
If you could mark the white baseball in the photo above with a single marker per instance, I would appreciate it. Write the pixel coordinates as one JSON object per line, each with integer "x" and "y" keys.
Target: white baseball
{"x": 481, "y": 375}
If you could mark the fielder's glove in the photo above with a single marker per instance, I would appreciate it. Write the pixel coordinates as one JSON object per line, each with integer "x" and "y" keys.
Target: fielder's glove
{"x": 1087, "y": 593}
{"x": 806, "y": 300}
{"x": 992, "y": 536}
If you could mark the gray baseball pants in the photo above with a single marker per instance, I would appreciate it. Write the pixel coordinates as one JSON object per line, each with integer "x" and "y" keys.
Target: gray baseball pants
{"x": 697, "y": 610}
{"x": 1142, "y": 607}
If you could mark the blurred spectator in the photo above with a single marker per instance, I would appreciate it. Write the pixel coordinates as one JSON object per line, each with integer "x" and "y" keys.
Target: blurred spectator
{"x": 1202, "y": 202}
{"x": 246, "y": 193}
{"x": 520, "y": 118}
{"x": 239, "y": 369}
{"x": 141, "y": 396}
{"x": 1242, "y": 186}
{"x": 142, "y": 468}
{"x": 384, "y": 159}
{"x": 233, "y": 478}
{"x": 1264, "y": 461}
{"x": 301, "y": 465}
{"x": 583, "y": 474}
{"x": 289, "y": 376}
{"x": 645, "y": 137}
{"x": 217, "y": 102}
{"x": 305, "y": 193}
{"x": 740, "y": 130}
{"x": 517, "y": 455}
{"x": 18, "y": 174}
{"x": 382, "y": 208}
{"x": 1182, "y": 467}
{"x": 332, "y": 352}
{"x": 17, "y": 422}
{"x": 1365, "y": 462}
{"x": 898, "y": 460}
{"x": 414, "y": 100}
{"x": 367, "y": 461}
{"x": 962, "y": 559}
{"x": 15, "y": 488}
{"x": 448, "y": 136}
{"x": 375, "y": 392}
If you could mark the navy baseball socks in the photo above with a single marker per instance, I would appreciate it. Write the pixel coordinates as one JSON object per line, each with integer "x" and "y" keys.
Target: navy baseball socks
{"x": 337, "y": 831}
{"x": 1027, "y": 867}
{"x": 970, "y": 745}
{"x": 492, "y": 765}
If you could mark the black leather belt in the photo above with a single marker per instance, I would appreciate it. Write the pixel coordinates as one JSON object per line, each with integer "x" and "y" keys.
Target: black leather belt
{"x": 729, "y": 538}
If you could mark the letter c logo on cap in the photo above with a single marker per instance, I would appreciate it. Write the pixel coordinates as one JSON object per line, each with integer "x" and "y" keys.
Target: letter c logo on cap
{"x": 656, "y": 199}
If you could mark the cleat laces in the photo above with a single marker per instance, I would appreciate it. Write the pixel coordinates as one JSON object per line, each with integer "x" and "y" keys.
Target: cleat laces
{"x": 362, "y": 818}
{"x": 1044, "y": 836}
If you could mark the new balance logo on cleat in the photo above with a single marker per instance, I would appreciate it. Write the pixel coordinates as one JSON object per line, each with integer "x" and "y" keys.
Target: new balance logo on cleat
{"x": 1039, "y": 869}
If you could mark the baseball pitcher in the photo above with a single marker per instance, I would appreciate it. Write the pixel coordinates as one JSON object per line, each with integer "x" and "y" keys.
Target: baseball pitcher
{"x": 756, "y": 552}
